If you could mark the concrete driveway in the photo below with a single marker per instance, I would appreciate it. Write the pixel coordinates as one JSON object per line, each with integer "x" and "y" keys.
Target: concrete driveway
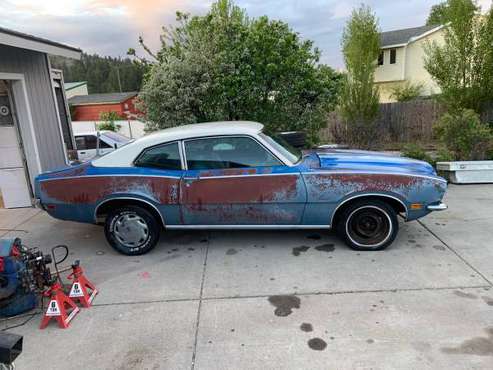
{"x": 276, "y": 300}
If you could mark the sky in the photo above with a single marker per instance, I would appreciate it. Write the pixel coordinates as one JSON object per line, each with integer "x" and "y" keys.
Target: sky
{"x": 110, "y": 27}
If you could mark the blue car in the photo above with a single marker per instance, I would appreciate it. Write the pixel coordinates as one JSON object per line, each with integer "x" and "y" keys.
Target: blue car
{"x": 231, "y": 175}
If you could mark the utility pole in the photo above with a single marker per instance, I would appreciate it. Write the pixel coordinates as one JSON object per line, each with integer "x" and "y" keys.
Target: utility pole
{"x": 118, "y": 76}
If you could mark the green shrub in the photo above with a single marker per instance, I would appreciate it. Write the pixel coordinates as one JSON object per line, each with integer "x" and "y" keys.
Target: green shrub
{"x": 464, "y": 135}
{"x": 407, "y": 91}
{"x": 416, "y": 151}
{"x": 109, "y": 119}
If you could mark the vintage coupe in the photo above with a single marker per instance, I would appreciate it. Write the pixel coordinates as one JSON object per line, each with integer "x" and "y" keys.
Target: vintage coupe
{"x": 231, "y": 175}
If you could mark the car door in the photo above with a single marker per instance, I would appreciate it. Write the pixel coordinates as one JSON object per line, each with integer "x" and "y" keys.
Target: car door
{"x": 86, "y": 146}
{"x": 235, "y": 180}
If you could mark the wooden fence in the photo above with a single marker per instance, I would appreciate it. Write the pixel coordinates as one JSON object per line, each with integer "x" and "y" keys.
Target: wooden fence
{"x": 399, "y": 123}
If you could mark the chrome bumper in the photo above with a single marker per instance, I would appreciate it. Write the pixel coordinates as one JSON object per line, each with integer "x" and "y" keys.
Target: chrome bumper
{"x": 437, "y": 207}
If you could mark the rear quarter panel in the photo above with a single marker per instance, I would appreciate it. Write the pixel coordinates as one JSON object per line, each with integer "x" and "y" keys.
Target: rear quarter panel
{"x": 74, "y": 194}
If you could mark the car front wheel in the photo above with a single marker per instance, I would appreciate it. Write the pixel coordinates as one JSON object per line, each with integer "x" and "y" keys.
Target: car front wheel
{"x": 132, "y": 230}
{"x": 368, "y": 225}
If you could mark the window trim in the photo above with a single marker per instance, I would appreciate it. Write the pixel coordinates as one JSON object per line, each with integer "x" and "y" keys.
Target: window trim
{"x": 281, "y": 162}
{"x": 157, "y": 146}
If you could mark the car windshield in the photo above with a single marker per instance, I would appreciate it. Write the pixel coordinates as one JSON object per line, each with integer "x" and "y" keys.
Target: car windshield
{"x": 287, "y": 150}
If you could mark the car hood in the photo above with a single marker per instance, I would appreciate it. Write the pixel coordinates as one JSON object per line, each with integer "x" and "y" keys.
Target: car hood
{"x": 359, "y": 160}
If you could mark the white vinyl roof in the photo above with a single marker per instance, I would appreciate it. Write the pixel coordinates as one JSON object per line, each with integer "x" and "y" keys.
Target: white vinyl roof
{"x": 126, "y": 155}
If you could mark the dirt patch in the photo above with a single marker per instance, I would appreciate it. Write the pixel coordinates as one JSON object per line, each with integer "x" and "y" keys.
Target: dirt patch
{"x": 231, "y": 251}
{"x": 306, "y": 327}
{"x": 317, "y": 344}
{"x": 439, "y": 247}
{"x": 298, "y": 250}
{"x": 479, "y": 346}
{"x": 325, "y": 247}
{"x": 284, "y": 304}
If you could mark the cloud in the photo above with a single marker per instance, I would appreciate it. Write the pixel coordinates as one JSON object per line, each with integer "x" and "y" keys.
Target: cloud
{"x": 110, "y": 27}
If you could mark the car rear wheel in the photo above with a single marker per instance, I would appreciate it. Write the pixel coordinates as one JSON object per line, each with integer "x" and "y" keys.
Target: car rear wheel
{"x": 132, "y": 230}
{"x": 368, "y": 225}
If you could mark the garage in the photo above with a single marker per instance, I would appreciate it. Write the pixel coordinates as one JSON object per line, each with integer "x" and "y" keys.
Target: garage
{"x": 35, "y": 127}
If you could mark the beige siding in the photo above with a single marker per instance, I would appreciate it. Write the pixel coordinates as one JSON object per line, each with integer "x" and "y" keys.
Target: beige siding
{"x": 34, "y": 66}
{"x": 410, "y": 67}
{"x": 415, "y": 63}
{"x": 385, "y": 90}
{"x": 391, "y": 72}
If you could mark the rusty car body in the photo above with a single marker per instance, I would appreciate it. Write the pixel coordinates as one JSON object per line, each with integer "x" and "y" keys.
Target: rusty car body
{"x": 228, "y": 175}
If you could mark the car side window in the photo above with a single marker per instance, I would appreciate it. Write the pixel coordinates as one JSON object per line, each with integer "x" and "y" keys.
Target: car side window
{"x": 80, "y": 143}
{"x": 91, "y": 141}
{"x": 227, "y": 152}
{"x": 164, "y": 157}
{"x": 104, "y": 144}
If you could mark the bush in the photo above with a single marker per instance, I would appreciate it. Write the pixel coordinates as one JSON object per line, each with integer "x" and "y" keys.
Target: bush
{"x": 407, "y": 91}
{"x": 464, "y": 135}
{"x": 109, "y": 119}
{"x": 416, "y": 151}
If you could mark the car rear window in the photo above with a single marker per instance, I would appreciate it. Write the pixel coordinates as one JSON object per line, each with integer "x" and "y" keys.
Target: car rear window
{"x": 164, "y": 157}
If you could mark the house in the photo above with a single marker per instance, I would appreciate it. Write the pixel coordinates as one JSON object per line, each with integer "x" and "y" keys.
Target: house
{"x": 401, "y": 60}
{"x": 75, "y": 89}
{"x": 35, "y": 127}
{"x": 90, "y": 107}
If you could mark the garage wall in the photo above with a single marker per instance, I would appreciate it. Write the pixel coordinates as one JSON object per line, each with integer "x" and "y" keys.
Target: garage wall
{"x": 34, "y": 66}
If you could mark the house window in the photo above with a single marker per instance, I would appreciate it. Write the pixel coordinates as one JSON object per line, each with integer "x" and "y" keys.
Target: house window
{"x": 380, "y": 58}
{"x": 393, "y": 55}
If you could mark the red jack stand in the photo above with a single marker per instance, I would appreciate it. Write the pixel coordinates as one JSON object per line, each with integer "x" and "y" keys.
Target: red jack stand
{"x": 81, "y": 287}
{"x": 57, "y": 307}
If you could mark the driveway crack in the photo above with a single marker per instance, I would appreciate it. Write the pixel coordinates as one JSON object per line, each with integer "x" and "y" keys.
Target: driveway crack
{"x": 204, "y": 267}
{"x": 456, "y": 253}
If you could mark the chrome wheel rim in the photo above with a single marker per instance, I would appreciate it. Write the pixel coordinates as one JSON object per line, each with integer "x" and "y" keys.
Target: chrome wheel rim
{"x": 131, "y": 230}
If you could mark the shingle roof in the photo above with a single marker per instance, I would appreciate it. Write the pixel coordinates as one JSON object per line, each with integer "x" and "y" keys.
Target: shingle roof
{"x": 38, "y": 39}
{"x": 398, "y": 37}
{"x": 110, "y": 98}
{"x": 73, "y": 85}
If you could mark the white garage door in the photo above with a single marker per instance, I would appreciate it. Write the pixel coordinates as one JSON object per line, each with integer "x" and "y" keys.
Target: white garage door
{"x": 14, "y": 189}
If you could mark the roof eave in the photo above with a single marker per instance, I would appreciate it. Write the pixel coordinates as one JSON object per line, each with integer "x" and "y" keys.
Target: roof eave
{"x": 393, "y": 46}
{"x": 419, "y": 37}
{"x": 39, "y": 46}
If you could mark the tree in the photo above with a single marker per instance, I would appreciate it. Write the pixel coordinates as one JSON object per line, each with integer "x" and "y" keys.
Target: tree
{"x": 463, "y": 65}
{"x": 360, "y": 97}
{"x": 103, "y": 74}
{"x": 227, "y": 66}
{"x": 438, "y": 15}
